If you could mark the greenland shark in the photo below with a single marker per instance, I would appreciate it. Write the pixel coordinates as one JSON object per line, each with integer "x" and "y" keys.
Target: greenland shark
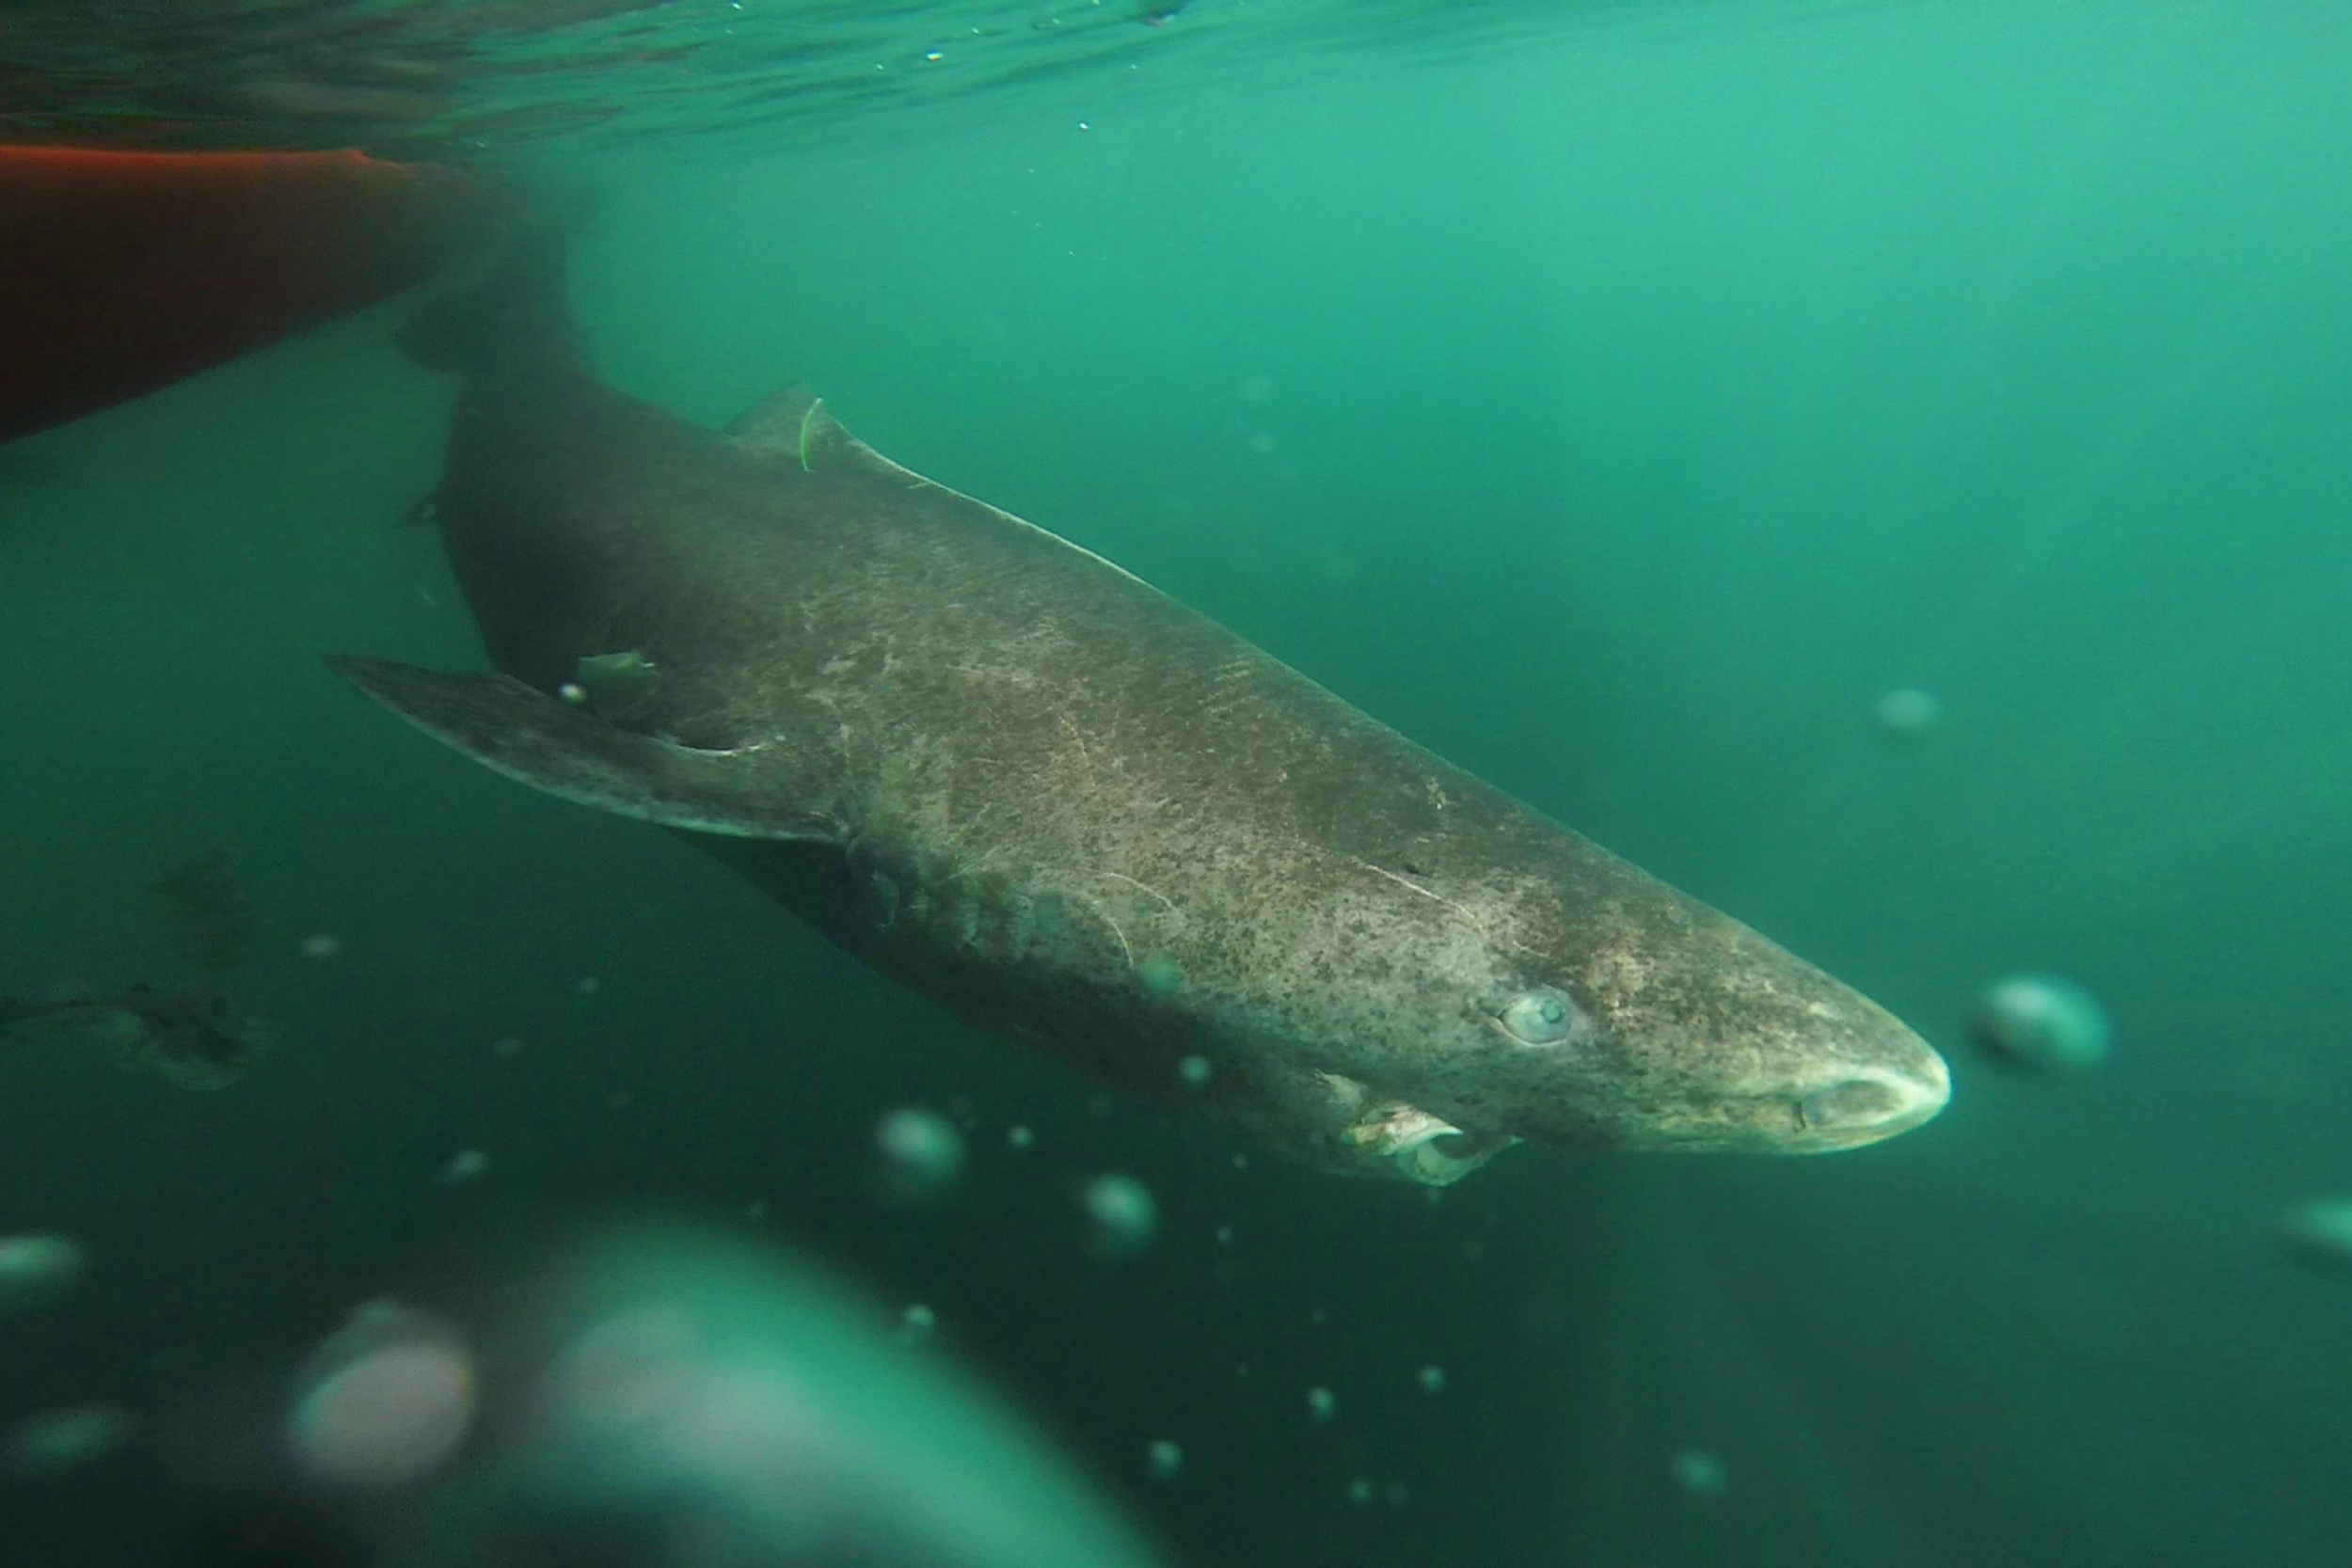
{"x": 1014, "y": 777}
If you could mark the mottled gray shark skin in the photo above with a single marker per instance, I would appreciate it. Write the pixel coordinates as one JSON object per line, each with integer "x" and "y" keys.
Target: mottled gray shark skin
{"x": 1065, "y": 807}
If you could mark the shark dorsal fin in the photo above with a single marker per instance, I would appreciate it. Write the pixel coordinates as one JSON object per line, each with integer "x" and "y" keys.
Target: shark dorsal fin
{"x": 794, "y": 426}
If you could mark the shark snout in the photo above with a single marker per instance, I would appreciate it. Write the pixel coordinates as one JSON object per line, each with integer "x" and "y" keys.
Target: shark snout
{"x": 1875, "y": 1103}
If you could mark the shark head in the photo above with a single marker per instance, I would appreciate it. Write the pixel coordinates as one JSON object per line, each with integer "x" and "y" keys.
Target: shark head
{"x": 1582, "y": 1003}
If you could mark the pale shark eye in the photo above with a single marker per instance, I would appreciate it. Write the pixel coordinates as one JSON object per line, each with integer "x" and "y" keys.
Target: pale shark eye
{"x": 1540, "y": 1016}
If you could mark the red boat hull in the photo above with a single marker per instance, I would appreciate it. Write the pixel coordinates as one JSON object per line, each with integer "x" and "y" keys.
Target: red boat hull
{"x": 124, "y": 271}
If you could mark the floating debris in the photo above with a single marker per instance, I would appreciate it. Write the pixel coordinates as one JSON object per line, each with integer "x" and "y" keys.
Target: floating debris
{"x": 616, "y": 685}
{"x": 1432, "y": 1380}
{"x": 1021, "y": 1139}
{"x": 2040, "y": 1021}
{"x": 192, "y": 1038}
{"x": 1194, "y": 1071}
{"x": 322, "y": 946}
{"x": 1322, "y": 1405}
{"x": 1164, "y": 1460}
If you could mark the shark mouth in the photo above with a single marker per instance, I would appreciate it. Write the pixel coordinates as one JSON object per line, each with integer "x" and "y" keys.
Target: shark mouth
{"x": 1421, "y": 1147}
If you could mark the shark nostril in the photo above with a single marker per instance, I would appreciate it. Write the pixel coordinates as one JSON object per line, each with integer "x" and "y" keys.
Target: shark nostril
{"x": 1855, "y": 1103}
{"x": 1876, "y": 1103}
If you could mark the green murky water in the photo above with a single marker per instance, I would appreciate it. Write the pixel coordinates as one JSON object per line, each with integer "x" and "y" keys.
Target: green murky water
{"x": 1618, "y": 401}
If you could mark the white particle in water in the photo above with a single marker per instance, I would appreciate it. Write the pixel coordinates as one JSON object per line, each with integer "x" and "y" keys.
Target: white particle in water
{"x": 2040, "y": 1021}
{"x": 467, "y": 1165}
{"x": 1699, "y": 1473}
{"x": 1121, "y": 1217}
{"x": 2318, "y": 1233}
{"x": 1907, "y": 713}
{"x": 922, "y": 1155}
{"x": 36, "y": 1267}
{"x": 68, "y": 1439}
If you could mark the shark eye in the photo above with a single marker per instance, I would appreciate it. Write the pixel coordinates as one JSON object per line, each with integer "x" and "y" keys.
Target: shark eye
{"x": 1540, "y": 1016}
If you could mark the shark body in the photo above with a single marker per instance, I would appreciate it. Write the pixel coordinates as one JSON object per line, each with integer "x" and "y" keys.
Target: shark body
{"x": 1007, "y": 773}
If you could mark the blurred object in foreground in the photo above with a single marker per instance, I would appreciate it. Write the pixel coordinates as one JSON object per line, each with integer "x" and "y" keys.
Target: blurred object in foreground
{"x": 636, "y": 1396}
{"x": 2039, "y": 1020}
{"x": 124, "y": 272}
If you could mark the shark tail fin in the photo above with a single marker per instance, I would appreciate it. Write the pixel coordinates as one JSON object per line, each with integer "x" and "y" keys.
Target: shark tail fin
{"x": 518, "y": 309}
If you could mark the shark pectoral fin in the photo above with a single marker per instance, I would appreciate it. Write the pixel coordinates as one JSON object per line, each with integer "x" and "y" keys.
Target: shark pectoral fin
{"x": 793, "y": 426}
{"x": 527, "y": 735}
